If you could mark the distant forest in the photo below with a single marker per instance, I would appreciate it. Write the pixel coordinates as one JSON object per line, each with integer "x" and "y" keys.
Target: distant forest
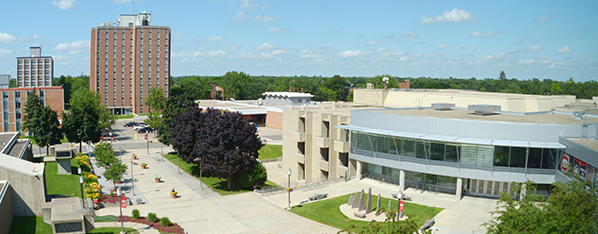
{"x": 242, "y": 86}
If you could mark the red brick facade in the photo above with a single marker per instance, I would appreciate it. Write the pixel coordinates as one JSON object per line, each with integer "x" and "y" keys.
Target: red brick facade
{"x": 14, "y": 101}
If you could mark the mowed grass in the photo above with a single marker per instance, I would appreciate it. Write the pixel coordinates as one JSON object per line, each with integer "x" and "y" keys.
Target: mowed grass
{"x": 270, "y": 152}
{"x": 124, "y": 116}
{"x": 66, "y": 185}
{"x": 218, "y": 185}
{"x": 32, "y": 224}
{"x": 327, "y": 211}
{"x": 63, "y": 140}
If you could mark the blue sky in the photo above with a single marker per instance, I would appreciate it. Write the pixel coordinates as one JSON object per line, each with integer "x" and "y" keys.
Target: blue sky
{"x": 526, "y": 39}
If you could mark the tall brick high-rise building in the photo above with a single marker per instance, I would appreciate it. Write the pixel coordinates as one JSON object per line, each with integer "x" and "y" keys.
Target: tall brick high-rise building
{"x": 127, "y": 58}
{"x": 36, "y": 70}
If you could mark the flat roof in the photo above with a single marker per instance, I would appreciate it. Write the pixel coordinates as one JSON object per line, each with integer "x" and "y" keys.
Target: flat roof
{"x": 17, "y": 148}
{"x": 468, "y": 115}
{"x": 287, "y": 94}
{"x": 590, "y": 143}
{"x": 245, "y": 107}
{"x": 5, "y": 139}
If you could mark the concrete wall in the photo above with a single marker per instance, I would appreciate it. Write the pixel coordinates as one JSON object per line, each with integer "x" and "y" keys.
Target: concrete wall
{"x": 5, "y": 209}
{"x": 27, "y": 193}
{"x": 274, "y": 119}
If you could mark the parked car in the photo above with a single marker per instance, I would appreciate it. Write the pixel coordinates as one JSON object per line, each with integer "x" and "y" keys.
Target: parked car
{"x": 140, "y": 125}
{"x": 145, "y": 130}
{"x": 130, "y": 124}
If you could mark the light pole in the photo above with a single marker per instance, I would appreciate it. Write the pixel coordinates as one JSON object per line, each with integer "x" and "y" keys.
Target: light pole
{"x": 118, "y": 193}
{"x": 200, "y": 181}
{"x": 289, "y": 189}
{"x": 81, "y": 184}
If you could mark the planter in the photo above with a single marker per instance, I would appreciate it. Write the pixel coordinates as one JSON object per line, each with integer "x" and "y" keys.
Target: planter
{"x": 143, "y": 166}
{"x": 135, "y": 157}
{"x": 157, "y": 180}
{"x": 173, "y": 195}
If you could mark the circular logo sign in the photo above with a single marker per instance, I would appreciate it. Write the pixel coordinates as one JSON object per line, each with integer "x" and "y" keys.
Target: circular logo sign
{"x": 565, "y": 163}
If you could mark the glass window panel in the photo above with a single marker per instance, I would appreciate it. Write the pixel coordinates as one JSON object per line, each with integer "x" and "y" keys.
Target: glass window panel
{"x": 549, "y": 158}
{"x": 485, "y": 155}
{"x": 422, "y": 150}
{"x": 437, "y": 151}
{"x": 518, "y": 155}
{"x": 383, "y": 143}
{"x": 431, "y": 179}
{"x": 468, "y": 153}
{"x": 501, "y": 156}
{"x": 395, "y": 146}
{"x": 408, "y": 148}
{"x": 535, "y": 158}
{"x": 452, "y": 153}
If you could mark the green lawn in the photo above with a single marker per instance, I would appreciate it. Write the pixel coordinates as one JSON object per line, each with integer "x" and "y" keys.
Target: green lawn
{"x": 30, "y": 225}
{"x": 270, "y": 151}
{"x": 124, "y": 116}
{"x": 218, "y": 185}
{"x": 143, "y": 114}
{"x": 67, "y": 185}
{"x": 64, "y": 140}
{"x": 327, "y": 211}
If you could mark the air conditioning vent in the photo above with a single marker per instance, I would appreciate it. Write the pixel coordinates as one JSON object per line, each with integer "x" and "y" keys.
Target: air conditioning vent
{"x": 484, "y": 109}
{"x": 443, "y": 106}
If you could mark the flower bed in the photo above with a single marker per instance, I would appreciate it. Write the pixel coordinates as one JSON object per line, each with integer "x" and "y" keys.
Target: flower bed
{"x": 106, "y": 198}
{"x": 173, "y": 228}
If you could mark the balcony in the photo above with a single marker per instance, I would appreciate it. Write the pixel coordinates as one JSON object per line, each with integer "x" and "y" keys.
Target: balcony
{"x": 323, "y": 165}
{"x": 322, "y": 142}
{"x": 341, "y": 146}
{"x": 300, "y": 158}
{"x": 299, "y": 136}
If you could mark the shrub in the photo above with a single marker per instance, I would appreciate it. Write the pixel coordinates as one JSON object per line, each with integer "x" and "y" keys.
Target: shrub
{"x": 136, "y": 214}
{"x": 255, "y": 176}
{"x": 152, "y": 217}
{"x": 165, "y": 221}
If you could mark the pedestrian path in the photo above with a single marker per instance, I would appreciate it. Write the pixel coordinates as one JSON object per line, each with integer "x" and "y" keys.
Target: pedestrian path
{"x": 200, "y": 188}
{"x": 139, "y": 227}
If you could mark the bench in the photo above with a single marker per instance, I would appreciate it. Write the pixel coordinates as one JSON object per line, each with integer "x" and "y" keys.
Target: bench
{"x": 318, "y": 196}
{"x": 359, "y": 214}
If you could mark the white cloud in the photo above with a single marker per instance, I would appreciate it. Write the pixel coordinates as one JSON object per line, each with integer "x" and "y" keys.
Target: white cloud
{"x": 499, "y": 55}
{"x": 545, "y": 60}
{"x": 405, "y": 58}
{"x": 239, "y": 16}
{"x": 275, "y": 29}
{"x": 216, "y": 53}
{"x": 64, "y": 4}
{"x": 533, "y": 47}
{"x": 565, "y": 49}
{"x": 177, "y": 37}
{"x": 37, "y": 37}
{"x": 279, "y": 52}
{"x": 266, "y": 55}
{"x": 73, "y": 48}
{"x": 350, "y": 53}
{"x": 371, "y": 43}
{"x": 526, "y": 61}
{"x": 263, "y": 18}
{"x": 543, "y": 18}
{"x": 59, "y": 58}
{"x": 3, "y": 51}
{"x": 380, "y": 49}
{"x": 232, "y": 47}
{"x": 517, "y": 41}
{"x": 7, "y": 38}
{"x": 488, "y": 34}
{"x": 558, "y": 64}
{"x": 309, "y": 54}
{"x": 246, "y": 55}
{"x": 454, "y": 16}
{"x": 419, "y": 54}
{"x": 442, "y": 47}
{"x": 215, "y": 39}
{"x": 265, "y": 47}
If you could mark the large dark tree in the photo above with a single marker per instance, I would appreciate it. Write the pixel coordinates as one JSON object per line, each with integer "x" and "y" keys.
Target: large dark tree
{"x": 226, "y": 144}
{"x": 175, "y": 105}
{"x": 50, "y": 132}
{"x": 338, "y": 85}
{"x": 32, "y": 119}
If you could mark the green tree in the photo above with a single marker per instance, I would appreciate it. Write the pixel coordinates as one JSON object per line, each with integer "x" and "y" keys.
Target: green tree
{"x": 257, "y": 175}
{"x": 570, "y": 208}
{"x": 156, "y": 101}
{"x": 350, "y": 97}
{"x": 86, "y": 118}
{"x": 105, "y": 155}
{"x": 32, "y": 119}
{"x": 49, "y": 132}
{"x": 338, "y": 85}
{"x": 502, "y": 76}
{"x": 115, "y": 172}
{"x": 70, "y": 85}
{"x": 175, "y": 105}
{"x": 196, "y": 87}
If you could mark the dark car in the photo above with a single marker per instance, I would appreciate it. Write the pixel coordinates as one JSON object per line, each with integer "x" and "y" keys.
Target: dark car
{"x": 130, "y": 124}
{"x": 145, "y": 129}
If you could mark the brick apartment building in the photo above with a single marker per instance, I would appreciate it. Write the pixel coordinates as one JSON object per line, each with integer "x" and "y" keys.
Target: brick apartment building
{"x": 127, "y": 58}
{"x": 36, "y": 70}
{"x": 15, "y": 99}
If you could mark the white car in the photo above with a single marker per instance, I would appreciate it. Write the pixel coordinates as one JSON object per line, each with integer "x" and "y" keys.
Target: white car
{"x": 140, "y": 126}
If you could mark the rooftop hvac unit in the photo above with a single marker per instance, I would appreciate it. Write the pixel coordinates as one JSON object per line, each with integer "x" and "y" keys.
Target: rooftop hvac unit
{"x": 443, "y": 106}
{"x": 484, "y": 109}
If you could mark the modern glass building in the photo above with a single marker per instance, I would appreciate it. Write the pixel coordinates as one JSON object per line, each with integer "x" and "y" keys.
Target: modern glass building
{"x": 475, "y": 151}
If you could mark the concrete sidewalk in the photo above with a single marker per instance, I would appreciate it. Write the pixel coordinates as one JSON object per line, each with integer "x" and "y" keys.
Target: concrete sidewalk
{"x": 141, "y": 228}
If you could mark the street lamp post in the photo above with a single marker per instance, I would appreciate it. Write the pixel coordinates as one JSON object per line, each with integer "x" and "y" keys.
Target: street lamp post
{"x": 118, "y": 193}
{"x": 289, "y": 189}
{"x": 81, "y": 184}
{"x": 198, "y": 160}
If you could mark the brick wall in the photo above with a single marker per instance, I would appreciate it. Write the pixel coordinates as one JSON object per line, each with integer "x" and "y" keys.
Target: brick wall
{"x": 274, "y": 120}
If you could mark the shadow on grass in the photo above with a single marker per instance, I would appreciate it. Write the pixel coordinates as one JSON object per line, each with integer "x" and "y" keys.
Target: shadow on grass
{"x": 29, "y": 224}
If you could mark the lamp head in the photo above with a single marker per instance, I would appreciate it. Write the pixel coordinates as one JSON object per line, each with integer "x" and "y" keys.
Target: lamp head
{"x": 289, "y": 172}
{"x": 118, "y": 192}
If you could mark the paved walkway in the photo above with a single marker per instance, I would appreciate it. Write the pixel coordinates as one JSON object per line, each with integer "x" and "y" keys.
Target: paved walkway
{"x": 141, "y": 228}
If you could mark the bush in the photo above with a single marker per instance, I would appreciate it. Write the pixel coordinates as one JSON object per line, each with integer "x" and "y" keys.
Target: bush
{"x": 165, "y": 221}
{"x": 136, "y": 214}
{"x": 255, "y": 176}
{"x": 152, "y": 217}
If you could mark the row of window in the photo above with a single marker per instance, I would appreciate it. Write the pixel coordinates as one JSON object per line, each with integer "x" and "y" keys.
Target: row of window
{"x": 33, "y": 60}
{"x": 33, "y": 83}
{"x": 472, "y": 154}
{"x": 33, "y": 67}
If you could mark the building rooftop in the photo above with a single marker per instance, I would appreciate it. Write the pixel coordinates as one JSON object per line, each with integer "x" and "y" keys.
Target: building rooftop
{"x": 337, "y": 108}
{"x": 18, "y": 148}
{"x": 287, "y": 94}
{"x": 545, "y": 118}
{"x": 590, "y": 143}
{"x": 5, "y": 139}
{"x": 245, "y": 107}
